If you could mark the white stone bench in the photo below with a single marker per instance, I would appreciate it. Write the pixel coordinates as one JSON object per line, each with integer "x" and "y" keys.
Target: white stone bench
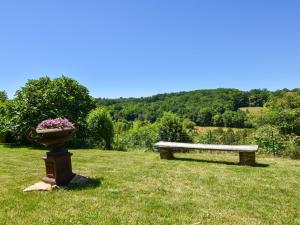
{"x": 246, "y": 152}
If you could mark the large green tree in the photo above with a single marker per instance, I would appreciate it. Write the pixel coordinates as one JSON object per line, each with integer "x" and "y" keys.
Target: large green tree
{"x": 49, "y": 98}
{"x": 3, "y": 96}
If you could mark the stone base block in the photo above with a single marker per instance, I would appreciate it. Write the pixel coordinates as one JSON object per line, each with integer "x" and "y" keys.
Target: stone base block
{"x": 166, "y": 154}
{"x": 58, "y": 168}
{"x": 247, "y": 158}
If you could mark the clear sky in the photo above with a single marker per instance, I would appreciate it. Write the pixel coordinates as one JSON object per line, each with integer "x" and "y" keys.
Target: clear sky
{"x": 143, "y": 47}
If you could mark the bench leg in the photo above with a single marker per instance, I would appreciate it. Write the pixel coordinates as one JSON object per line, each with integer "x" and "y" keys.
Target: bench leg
{"x": 247, "y": 158}
{"x": 166, "y": 153}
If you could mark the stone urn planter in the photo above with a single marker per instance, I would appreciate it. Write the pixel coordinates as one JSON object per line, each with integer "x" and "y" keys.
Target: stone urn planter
{"x": 58, "y": 160}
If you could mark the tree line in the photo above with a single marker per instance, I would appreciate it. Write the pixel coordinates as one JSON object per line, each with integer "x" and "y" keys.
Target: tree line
{"x": 216, "y": 107}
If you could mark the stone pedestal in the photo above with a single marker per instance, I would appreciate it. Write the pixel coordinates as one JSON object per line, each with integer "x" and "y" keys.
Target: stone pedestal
{"x": 166, "y": 153}
{"x": 247, "y": 158}
{"x": 58, "y": 168}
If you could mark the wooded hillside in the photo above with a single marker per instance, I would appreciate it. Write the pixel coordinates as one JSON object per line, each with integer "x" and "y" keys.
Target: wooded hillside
{"x": 204, "y": 107}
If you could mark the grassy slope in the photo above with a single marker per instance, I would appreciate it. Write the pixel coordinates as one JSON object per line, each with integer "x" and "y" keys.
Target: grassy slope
{"x": 255, "y": 111}
{"x": 139, "y": 188}
{"x": 203, "y": 129}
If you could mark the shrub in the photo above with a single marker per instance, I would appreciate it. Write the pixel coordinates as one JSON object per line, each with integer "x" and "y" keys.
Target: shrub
{"x": 100, "y": 127}
{"x": 171, "y": 128}
{"x": 292, "y": 146}
{"x": 269, "y": 139}
{"x": 188, "y": 124}
{"x": 222, "y": 136}
{"x": 140, "y": 136}
{"x": 294, "y": 152}
{"x": 3, "y": 120}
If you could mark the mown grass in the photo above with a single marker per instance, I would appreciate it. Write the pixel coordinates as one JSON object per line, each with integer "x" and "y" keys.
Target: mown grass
{"x": 139, "y": 188}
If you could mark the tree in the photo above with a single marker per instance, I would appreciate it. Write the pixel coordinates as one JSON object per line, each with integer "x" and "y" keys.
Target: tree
{"x": 46, "y": 98}
{"x": 3, "y": 96}
{"x": 100, "y": 126}
{"x": 204, "y": 117}
{"x": 239, "y": 119}
{"x": 227, "y": 118}
{"x": 217, "y": 120}
{"x": 258, "y": 97}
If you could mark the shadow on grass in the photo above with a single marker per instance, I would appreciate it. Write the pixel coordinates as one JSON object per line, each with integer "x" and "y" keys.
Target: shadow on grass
{"x": 18, "y": 146}
{"x": 81, "y": 182}
{"x": 218, "y": 162}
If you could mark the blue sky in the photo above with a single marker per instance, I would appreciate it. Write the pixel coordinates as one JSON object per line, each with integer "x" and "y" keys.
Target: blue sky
{"x": 140, "y": 48}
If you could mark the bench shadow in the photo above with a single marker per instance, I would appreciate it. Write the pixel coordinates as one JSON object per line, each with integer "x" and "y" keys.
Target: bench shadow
{"x": 218, "y": 162}
{"x": 82, "y": 182}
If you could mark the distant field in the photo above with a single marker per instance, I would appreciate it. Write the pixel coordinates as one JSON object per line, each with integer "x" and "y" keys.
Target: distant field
{"x": 206, "y": 129}
{"x": 139, "y": 188}
{"x": 255, "y": 111}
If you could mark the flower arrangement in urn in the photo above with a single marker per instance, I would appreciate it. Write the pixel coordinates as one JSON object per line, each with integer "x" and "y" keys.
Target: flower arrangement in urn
{"x": 58, "y": 123}
{"x": 54, "y": 133}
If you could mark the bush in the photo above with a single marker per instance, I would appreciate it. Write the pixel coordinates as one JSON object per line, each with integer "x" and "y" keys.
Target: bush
{"x": 3, "y": 120}
{"x": 188, "y": 124}
{"x": 269, "y": 139}
{"x": 292, "y": 146}
{"x": 140, "y": 136}
{"x": 171, "y": 129}
{"x": 222, "y": 136}
{"x": 100, "y": 127}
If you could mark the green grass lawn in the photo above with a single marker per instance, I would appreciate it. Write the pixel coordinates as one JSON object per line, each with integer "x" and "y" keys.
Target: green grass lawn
{"x": 139, "y": 188}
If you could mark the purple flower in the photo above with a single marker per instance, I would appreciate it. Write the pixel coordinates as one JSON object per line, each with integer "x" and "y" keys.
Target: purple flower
{"x": 55, "y": 123}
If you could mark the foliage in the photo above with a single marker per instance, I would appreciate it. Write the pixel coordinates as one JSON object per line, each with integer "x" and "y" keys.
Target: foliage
{"x": 224, "y": 136}
{"x": 3, "y": 96}
{"x": 200, "y": 106}
{"x": 171, "y": 128}
{"x": 283, "y": 111}
{"x": 45, "y": 98}
{"x": 217, "y": 120}
{"x": 100, "y": 127}
{"x": 258, "y": 97}
{"x": 293, "y": 146}
{"x": 234, "y": 119}
{"x": 269, "y": 140}
{"x": 142, "y": 135}
{"x": 188, "y": 124}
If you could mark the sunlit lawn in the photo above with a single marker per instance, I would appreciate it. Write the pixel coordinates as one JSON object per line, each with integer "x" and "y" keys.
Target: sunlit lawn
{"x": 139, "y": 188}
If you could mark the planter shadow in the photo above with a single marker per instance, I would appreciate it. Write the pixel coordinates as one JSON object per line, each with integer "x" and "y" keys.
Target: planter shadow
{"x": 82, "y": 182}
